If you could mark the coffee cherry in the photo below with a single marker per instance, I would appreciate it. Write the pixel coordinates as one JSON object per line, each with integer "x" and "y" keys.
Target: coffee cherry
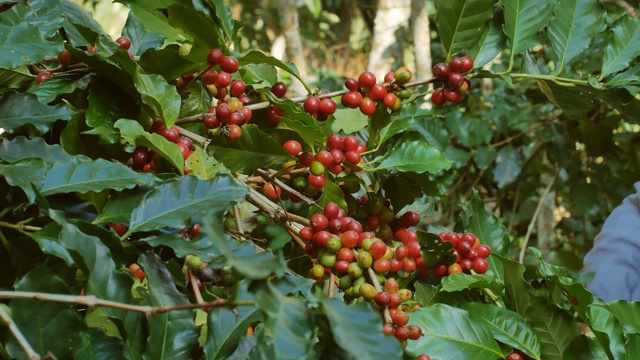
{"x": 382, "y": 298}
{"x": 438, "y": 97}
{"x": 368, "y": 291}
{"x": 456, "y": 65}
{"x": 364, "y": 259}
{"x": 311, "y": 105}
{"x": 211, "y": 122}
{"x": 377, "y": 250}
{"x": 214, "y": 57}
{"x": 391, "y": 286}
{"x": 441, "y": 71}
{"x": 456, "y": 80}
{"x": 140, "y": 157}
{"x": 279, "y": 89}
{"x": 185, "y": 49}
{"x": 354, "y": 270}
{"x": 403, "y": 75}
{"x": 209, "y": 77}
{"x": 388, "y": 329}
{"x": 464, "y": 87}
{"x": 367, "y": 106}
{"x": 292, "y": 147}
{"x": 466, "y": 265}
{"x": 235, "y": 132}
{"x": 317, "y": 181}
{"x": 409, "y": 219}
{"x": 351, "y": 84}
{"x": 382, "y": 266}
{"x": 229, "y": 64}
{"x": 415, "y": 332}
{"x": 366, "y": 80}
{"x": 483, "y": 251}
{"x": 43, "y": 76}
{"x": 271, "y": 191}
{"x": 467, "y": 64}
{"x": 450, "y": 95}
{"x": 389, "y": 77}
{"x": 184, "y": 151}
{"x": 402, "y": 333}
{"x": 454, "y": 269}
{"x": 423, "y": 357}
{"x": 390, "y": 100}
{"x": 400, "y": 318}
{"x": 195, "y": 264}
{"x": 124, "y": 42}
{"x": 319, "y": 222}
{"x": 472, "y": 254}
{"x": 327, "y": 106}
{"x": 64, "y": 58}
{"x": 316, "y": 168}
{"x": 377, "y": 92}
{"x": 480, "y": 265}
{"x": 352, "y": 157}
{"x": 414, "y": 249}
{"x": 515, "y": 356}
{"x": 237, "y": 88}
{"x": 222, "y": 81}
{"x": 207, "y": 275}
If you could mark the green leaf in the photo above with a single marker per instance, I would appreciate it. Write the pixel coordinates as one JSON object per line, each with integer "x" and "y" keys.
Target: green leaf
{"x": 17, "y": 110}
{"x": 628, "y": 313}
{"x": 47, "y": 239}
{"x": 435, "y": 251}
{"x": 25, "y": 174}
{"x": 172, "y": 335}
{"x": 607, "y": 329}
{"x": 202, "y": 165}
{"x": 202, "y": 29}
{"x": 107, "y": 105}
{"x": 349, "y": 121}
{"x": 457, "y": 282}
{"x": 468, "y": 131}
{"x": 155, "y": 22}
{"x": 225, "y": 327}
{"x": 575, "y": 24}
{"x": 63, "y": 83}
{"x": 76, "y": 15}
{"x": 484, "y": 157}
{"x": 404, "y": 188}
{"x": 253, "y": 150}
{"x": 516, "y": 288}
{"x": 176, "y": 201}
{"x": 398, "y": 125}
{"x": 331, "y": 193}
{"x": 119, "y": 207}
{"x": 160, "y": 96}
{"x": 15, "y": 79}
{"x": 24, "y": 33}
{"x": 485, "y": 225}
{"x": 623, "y": 46}
{"x": 22, "y": 148}
{"x": 523, "y": 19}
{"x": 258, "y": 57}
{"x": 223, "y": 15}
{"x": 348, "y": 321}
{"x": 489, "y": 45}
{"x": 508, "y": 166}
{"x": 461, "y": 22}
{"x": 288, "y": 322}
{"x": 41, "y": 321}
{"x": 413, "y": 153}
{"x": 141, "y": 39}
{"x": 451, "y": 333}
{"x": 96, "y": 345}
{"x": 507, "y": 327}
{"x": 554, "y": 328}
{"x": 299, "y": 121}
{"x": 133, "y": 135}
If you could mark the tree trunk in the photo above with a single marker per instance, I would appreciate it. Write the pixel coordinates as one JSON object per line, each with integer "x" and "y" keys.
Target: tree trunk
{"x": 421, "y": 40}
{"x": 294, "y": 50}
{"x": 390, "y": 26}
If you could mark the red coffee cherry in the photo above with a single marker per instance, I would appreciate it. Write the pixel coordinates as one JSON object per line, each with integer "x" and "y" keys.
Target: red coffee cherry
{"x": 124, "y": 42}
{"x": 441, "y": 71}
{"x": 292, "y": 147}
{"x": 214, "y": 57}
{"x": 366, "y": 80}
{"x": 229, "y": 64}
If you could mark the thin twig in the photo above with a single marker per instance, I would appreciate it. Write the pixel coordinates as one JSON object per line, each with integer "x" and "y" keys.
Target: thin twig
{"x": 92, "y": 301}
{"x": 376, "y": 285}
{"x": 194, "y": 286}
{"x": 24, "y": 344}
{"x": 291, "y": 190}
{"x": 294, "y": 235}
{"x": 627, "y": 7}
{"x": 236, "y": 215}
{"x": 535, "y": 217}
{"x": 20, "y": 226}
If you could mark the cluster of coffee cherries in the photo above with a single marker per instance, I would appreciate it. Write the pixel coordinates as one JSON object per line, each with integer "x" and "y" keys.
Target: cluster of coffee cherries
{"x": 137, "y": 271}
{"x": 319, "y": 109}
{"x": 454, "y": 83}
{"x": 375, "y": 212}
{"x": 469, "y": 252}
{"x": 366, "y": 92}
{"x": 274, "y": 114}
{"x": 392, "y": 297}
{"x": 145, "y": 160}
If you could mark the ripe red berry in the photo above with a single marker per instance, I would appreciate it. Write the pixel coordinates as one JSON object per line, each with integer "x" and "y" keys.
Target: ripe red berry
{"x": 350, "y": 143}
{"x": 124, "y": 42}
{"x": 279, "y": 89}
{"x": 118, "y": 228}
{"x": 515, "y": 356}
{"x": 390, "y": 100}
{"x": 172, "y": 134}
{"x": 351, "y": 84}
{"x": 327, "y": 106}
{"x": 382, "y": 298}
{"x": 292, "y": 147}
{"x": 222, "y": 81}
{"x": 451, "y": 95}
{"x": 211, "y": 122}
{"x": 467, "y": 64}
{"x": 456, "y": 80}
{"x": 64, "y": 58}
{"x": 311, "y": 105}
{"x": 367, "y": 106}
{"x": 377, "y": 92}
{"x": 389, "y": 77}
{"x": 306, "y": 159}
{"x": 350, "y": 239}
{"x": 400, "y": 318}
{"x": 466, "y": 265}
{"x": 377, "y": 249}
{"x": 483, "y": 251}
{"x": 229, "y": 64}
{"x": 401, "y": 252}
{"x": 324, "y": 157}
{"x": 43, "y": 76}
{"x": 140, "y": 157}
{"x": 352, "y": 99}
{"x": 469, "y": 238}
{"x": 423, "y": 357}
{"x": 415, "y": 332}
{"x": 237, "y": 88}
{"x": 414, "y": 250}
{"x": 306, "y": 234}
{"x": 382, "y": 266}
{"x": 480, "y": 265}
{"x": 438, "y": 97}
{"x": 317, "y": 181}
{"x": 455, "y": 65}
{"x": 184, "y": 150}
{"x": 352, "y": 157}
{"x": 235, "y": 132}
{"x": 409, "y": 219}
{"x": 271, "y": 191}
{"x": 366, "y": 80}
{"x": 214, "y": 57}
{"x": 337, "y": 156}
{"x": 319, "y": 222}
{"x": 441, "y": 71}
{"x": 388, "y": 329}
{"x": 402, "y": 333}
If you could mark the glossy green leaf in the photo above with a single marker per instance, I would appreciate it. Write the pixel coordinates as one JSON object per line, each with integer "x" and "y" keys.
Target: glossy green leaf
{"x": 21, "y": 148}
{"x": 253, "y": 150}
{"x": 297, "y": 120}
{"x": 17, "y": 110}
{"x": 485, "y": 225}
{"x": 623, "y": 46}
{"x": 575, "y": 24}
{"x": 404, "y": 188}
{"x": 15, "y": 79}
{"x": 225, "y": 327}
{"x": 120, "y": 206}
{"x": 522, "y": 21}
{"x": 516, "y": 288}
{"x": 507, "y": 327}
{"x": 223, "y": 14}
{"x": 96, "y": 345}
{"x": 451, "y": 333}
{"x": 398, "y": 125}
{"x": 141, "y": 39}
{"x": 349, "y": 121}
{"x": 47, "y": 239}
{"x": 197, "y": 100}
{"x": 25, "y": 174}
{"x": 287, "y": 321}
{"x": 81, "y": 176}
{"x": 461, "y": 22}
{"x": 457, "y": 282}
{"x": 46, "y": 15}
{"x": 258, "y": 57}
{"x": 628, "y": 313}
{"x": 554, "y": 328}
{"x": 168, "y": 62}
{"x": 76, "y": 15}
{"x": 172, "y": 335}
{"x": 331, "y": 193}
{"x": 133, "y": 135}
{"x": 508, "y": 166}
{"x": 60, "y": 84}
{"x": 202, "y": 29}
{"x": 176, "y": 201}
{"x": 489, "y": 45}
{"x": 412, "y": 153}
{"x": 40, "y": 321}
{"x": 608, "y": 331}
{"x": 155, "y": 22}
{"x": 202, "y": 165}
{"x": 346, "y": 323}
{"x": 468, "y": 131}
{"x": 107, "y": 105}
{"x": 162, "y": 97}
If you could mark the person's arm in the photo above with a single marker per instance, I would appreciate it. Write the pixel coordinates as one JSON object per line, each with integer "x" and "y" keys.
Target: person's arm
{"x": 615, "y": 257}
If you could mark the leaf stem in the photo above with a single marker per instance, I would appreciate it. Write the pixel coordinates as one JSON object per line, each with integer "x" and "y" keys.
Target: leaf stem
{"x": 24, "y": 344}
{"x": 20, "y": 226}
{"x": 92, "y": 301}
{"x": 557, "y": 79}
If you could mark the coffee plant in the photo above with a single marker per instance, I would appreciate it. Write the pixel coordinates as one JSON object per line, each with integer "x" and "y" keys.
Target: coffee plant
{"x": 163, "y": 197}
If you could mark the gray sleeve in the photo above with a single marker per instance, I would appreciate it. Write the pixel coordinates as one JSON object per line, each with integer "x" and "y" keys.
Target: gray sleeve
{"x": 615, "y": 257}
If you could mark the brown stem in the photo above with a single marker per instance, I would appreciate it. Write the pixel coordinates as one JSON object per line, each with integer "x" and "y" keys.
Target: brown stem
{"x": 291, "y": 190}
{"x": 376, "y": 285}
{"x": 93, "y": 301}
{"x": 24, "y": 344}
{"x": 194, "y": 79}
{"x": 236, "y": 215}
{"x": 194, "y": 286}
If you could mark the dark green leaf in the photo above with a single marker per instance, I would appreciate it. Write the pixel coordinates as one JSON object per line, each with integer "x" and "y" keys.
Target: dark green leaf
{"x": 623, "y": 46}
{"x": 46, "y": 15}
{"x": 15, "y": 79}
{"x": 575, "y": 24}
{"x": 22, "y": 148}
{"x": 457, "y": 282}
{"x": 435, "y": 251}
{"x": 508, "y": 166}
{"x": 253, "y": 150}
{"x": 119, "y": 207}
{"x": 554, "y": 328}
{"x": 223, "y": 14}
{"x": 160, "y": 96}
{"x": 155, "y": 22}
{"x": 96, "y": 345}
{"x": 133, "y": 135}
{"x": 141, "y": 39}
{"x": 484, "y": 157}
{"x": 172, "y": 335}
{"x": 515, "y": 287}
{"x": 346, "y": 323}
{"x": 628, "y": 313}
{"x": 41, "y": 321}
{"x": 63, "y": 83}
{"x": 468, "y": 131}
{"x": 507, "y": 327}
{"x": 523, "y": 19}
{"x": 485, "y": 225}
{"x": 76, "y": 15}
{"x": 607, "y": 329}
{"x": 489, "y": 45}
{"x": 258, "y": 57}
{"x": 168, "y": 62}
{"x": 176, "y": 201}
{"x": 17, "y": 110}
{"x": 25, "y": 174}
{"x": 461, "y": 22}
{"x": 107, "y": 105}
{"x": 297, "y": 120}
{"x": 47, "y": 239}
{"x": 413, "y": 153}
{"x": 205, "y": 33}
{"x": 404, "y": 188}
{"x": 449, "y": 330}
{"x": 331, "y": 193}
